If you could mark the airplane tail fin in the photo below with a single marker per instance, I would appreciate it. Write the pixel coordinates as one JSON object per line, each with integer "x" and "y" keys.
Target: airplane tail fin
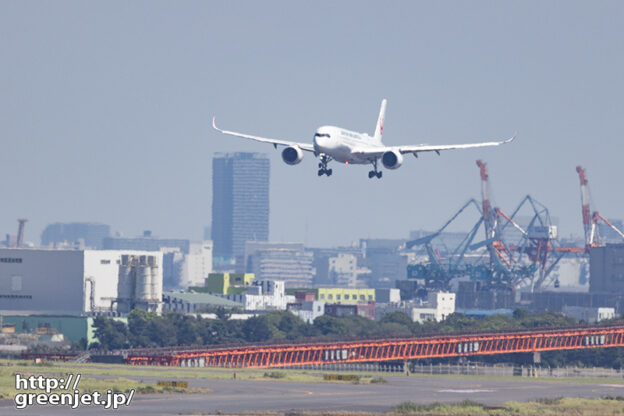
{"x": 380, "y": 120}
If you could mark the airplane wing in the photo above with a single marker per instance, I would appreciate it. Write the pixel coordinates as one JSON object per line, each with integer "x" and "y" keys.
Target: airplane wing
{"x": 275, "y": 142}
{"x": 415, "y": 149}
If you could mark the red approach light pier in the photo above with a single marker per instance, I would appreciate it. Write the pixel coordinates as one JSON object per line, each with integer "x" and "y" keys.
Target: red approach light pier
{"x": 437, "y": 346}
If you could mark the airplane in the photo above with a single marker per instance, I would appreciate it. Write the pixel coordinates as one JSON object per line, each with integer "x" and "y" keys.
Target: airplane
{"x": 352, "y": 148}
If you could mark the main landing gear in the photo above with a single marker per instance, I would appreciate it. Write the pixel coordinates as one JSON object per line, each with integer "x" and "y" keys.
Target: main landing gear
{"x": 374, "y": 172}
{"x": 323, "y": 166}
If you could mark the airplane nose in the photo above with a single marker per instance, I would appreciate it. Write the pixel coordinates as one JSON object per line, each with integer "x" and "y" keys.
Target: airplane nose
{"x": 321, "y": 141}
{"x": 318, "y": 141}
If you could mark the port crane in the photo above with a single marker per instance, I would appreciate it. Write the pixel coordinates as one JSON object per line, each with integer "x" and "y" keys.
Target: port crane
{"x": 590, "y": 220}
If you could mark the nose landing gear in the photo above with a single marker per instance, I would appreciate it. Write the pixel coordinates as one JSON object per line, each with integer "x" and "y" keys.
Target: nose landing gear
{"x": 323, "y": 166}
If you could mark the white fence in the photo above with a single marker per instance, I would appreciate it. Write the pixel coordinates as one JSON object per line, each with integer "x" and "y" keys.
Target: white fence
{"x": 520, "y": 371}
{"x": 472, "y": 369}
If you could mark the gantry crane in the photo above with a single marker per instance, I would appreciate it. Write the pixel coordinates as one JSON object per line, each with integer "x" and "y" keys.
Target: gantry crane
{"x": 525, "y": 263}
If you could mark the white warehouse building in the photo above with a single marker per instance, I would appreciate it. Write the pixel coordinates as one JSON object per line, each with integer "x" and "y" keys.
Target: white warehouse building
{"x": 75, "y": 282}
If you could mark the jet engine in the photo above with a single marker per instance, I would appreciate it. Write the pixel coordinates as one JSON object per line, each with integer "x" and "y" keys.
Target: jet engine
{"x": 392, "y": 159}
{"x": 292, "y": 155}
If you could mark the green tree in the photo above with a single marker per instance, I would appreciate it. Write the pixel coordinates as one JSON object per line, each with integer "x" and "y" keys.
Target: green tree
{"x": 330, "y": 326}
{"x": 161, "y": 332}
{"x": 138, "y": 321}
{"x": 360, "y": 327}
{"x": 187, "y": 329}
{"x": 111, "y": 334}
{"x": 394, "y": 329}
{"x": 398, "y": 318}
{"x": 286, "y": 325}
{"x": 257, "y": 329}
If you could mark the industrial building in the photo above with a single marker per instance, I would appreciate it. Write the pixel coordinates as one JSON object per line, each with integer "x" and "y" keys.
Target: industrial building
{"x": 557, "y": 301}
{"x": 139, "y": 285}
{"x": 77, "y": 282}
{"x": 589, "y": 314}
{"x": 240, "y": 203}
{"x": 475, "y": 294}
{"x": 606, "y": 266}
{"x": 73, "y": 328}
{"x": 185, "y": 262}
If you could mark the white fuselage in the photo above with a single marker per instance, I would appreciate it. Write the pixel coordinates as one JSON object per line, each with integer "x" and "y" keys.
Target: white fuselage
{"x": 338, "y": 143}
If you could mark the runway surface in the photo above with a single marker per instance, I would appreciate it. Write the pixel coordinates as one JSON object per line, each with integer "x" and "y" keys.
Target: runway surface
{"x": 235, "y": 396}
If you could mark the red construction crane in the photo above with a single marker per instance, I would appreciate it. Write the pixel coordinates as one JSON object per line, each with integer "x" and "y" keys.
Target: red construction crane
{"x": 585, "y": 200}
{"x": 498, "y": 251}
{"x": 590, "y": 221}
{"x": 488, "y": 211}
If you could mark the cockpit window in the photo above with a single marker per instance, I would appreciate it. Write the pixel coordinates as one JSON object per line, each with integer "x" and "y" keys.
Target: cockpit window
{"x": 321, "y": 135}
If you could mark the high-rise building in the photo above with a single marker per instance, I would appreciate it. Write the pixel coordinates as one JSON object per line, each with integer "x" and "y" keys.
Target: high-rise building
{"x": 288, "y": 262}
{"x": 85, "y": 234}
{"x": 240, "y": 203}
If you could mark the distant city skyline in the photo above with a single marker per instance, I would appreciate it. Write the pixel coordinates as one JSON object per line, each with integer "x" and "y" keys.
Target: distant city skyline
{"x": 106, "y": 110}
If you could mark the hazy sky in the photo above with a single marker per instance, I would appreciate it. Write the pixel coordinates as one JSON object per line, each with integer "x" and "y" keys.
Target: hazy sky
{"x": 105, "y": 109}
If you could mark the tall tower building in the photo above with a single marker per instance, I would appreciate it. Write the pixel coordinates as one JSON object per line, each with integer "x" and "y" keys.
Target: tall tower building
{"x": 240, "y": 203}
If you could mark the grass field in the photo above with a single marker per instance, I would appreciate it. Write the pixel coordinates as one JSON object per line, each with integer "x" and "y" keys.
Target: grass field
{"x": 119, "y": 377}
{"x": 117, "y": 381}
{"x": 550, "y": 407}
{"x": 122, "y": 378}
{"x": 543, "y": 407}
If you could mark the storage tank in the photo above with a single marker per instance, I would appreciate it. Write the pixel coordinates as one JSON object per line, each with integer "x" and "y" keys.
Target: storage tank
{"x": 156, "y": 283}
{"x": 125, "y": 286}
{"x": 143, "y": 281}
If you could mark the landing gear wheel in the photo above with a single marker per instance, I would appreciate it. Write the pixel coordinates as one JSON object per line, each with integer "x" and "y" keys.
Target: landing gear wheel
{"x": 374, "y": 172}
{"x": 323, "y": 165}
